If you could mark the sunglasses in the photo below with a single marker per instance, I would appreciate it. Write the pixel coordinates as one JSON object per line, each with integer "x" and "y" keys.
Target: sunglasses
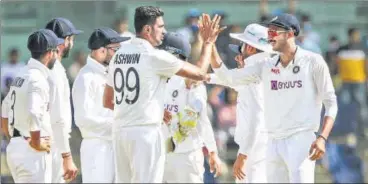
{"x": 273, "y": 33}
{"x": 113, "y": 48}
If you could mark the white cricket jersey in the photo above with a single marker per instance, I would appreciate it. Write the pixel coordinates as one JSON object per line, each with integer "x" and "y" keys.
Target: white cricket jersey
{"x": 138, "y": 73}
{"x": 8, "y": 71}
{"x": 293, "y": 95}
{"x": 177, "y": 97}
{"x": 27, "y": 104}
{"x": 61, "y": 117}
{"x": 249, "y": 109}
{"x": 92, "y": 119}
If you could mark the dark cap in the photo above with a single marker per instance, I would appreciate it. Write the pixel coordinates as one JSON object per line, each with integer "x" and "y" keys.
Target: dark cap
{"x": 235, "y": 48}
{"x": 104, "y": 36}
{"x": 286, "y": 21}
{"x": 62, "y": 27}
{"x": 43, "y": 40}
{"x": 176, "y": 43}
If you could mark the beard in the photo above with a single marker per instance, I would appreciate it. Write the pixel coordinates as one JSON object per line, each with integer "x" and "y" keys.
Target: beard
{"x": 66, "y": 52}
{"x": 51, "y": 64}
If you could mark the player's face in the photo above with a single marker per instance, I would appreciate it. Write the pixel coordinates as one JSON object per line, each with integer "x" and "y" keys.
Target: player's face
{"x": 277, "y": 37}
{"x": 158, "y": 32}
{"x": 69, "y": 42}
{"x": 52, "y": 57}
{"x": 110, "y": 51}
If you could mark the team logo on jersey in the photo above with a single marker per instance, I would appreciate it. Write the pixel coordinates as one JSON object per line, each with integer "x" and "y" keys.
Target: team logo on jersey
{"x": 278, "y": 85}
{"x": 296, "y": 69}
{"x": 275, "y": 70}
{"x": 175, "y": 93}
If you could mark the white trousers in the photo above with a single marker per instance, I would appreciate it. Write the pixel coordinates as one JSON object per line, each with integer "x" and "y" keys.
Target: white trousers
{"x": 57, "y": 166}
{"x": 255, "y": 166}
{"x": 26, "y": 164}
{"x": 139, "y": 154}
{"x": 184, "y": 167}
{"x": 288, "y": 159}
{"x": 97, "y": 161}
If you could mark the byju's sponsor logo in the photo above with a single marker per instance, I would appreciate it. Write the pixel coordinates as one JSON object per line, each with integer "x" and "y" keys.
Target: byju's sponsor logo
{"x": 278, "y": 85}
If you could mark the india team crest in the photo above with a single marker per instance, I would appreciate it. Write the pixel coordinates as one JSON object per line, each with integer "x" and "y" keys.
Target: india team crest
{"x": 296, "y": 69}
{"x": 175, "y": 93}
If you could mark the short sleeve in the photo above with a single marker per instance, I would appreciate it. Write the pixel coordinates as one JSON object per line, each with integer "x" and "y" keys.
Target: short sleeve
{"x": 166, "y": 64}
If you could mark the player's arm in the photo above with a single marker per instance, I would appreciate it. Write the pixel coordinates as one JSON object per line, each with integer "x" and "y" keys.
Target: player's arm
{"x": 198, "y": 101}
{"x": 247, "y": 141}
{"x": 4, "y": 116}
{"x": 36, "y": 100}
{"x": 325, "y": 89}
{"x": 108, "y": 96}
{"x": 83, "y": 101}
{"x": 236, "y": 76}
{"x": 60, "y": 117}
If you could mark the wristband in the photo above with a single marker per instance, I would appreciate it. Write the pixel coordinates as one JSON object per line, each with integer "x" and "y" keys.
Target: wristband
{"x": 322, "y": 137}
{"x": 66, "y": 155}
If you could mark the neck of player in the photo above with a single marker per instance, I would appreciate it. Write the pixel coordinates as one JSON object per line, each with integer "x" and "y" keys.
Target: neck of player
{"x": 288, "y": 55}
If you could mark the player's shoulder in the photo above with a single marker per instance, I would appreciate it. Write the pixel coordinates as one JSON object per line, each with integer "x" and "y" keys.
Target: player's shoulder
{"x": 309, "y": 56}
{"x": 261, "y": 58}
{"x": 85, "y": 75}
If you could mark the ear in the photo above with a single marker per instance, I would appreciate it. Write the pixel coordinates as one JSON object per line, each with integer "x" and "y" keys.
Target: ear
{"x": 291, "y": 34}
{"x": 147, "y": 29}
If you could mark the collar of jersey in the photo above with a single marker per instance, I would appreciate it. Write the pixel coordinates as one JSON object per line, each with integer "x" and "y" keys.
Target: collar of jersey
{"x": 32, "y": 63}
{"x": 96, "y": 65}
{"x": 296, "y": 57}
{"x": 142, "y": 41}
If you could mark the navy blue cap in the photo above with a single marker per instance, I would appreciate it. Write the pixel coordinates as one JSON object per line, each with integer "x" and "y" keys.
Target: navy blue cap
{"x": 104, "y": 36}
{"x": 235, "y": 48}
{"x": 286, "y": 21}
{"x": 193, "y": 13}
{"x": 176, "y": 43}
{"x": 43, "y": 40}
{"x": 62, "y": 27}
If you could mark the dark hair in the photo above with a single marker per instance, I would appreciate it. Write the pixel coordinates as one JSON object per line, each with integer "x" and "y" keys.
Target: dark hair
{"x": 13, "y": 51}
{"x": 351, "y": 31}
{"x": 38, "y": 55}
{"x": 333, "y": 38}
{"x": 146, "y": 15}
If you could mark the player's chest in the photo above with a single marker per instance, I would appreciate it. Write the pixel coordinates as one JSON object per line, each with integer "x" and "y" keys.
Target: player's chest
{"x": 290, "y": 79}
{"x": 176, "y": 98}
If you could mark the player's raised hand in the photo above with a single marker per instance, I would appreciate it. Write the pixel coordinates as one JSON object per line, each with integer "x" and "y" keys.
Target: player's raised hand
{"x": 318, "y": 149}
{"x": 211, "y": 28}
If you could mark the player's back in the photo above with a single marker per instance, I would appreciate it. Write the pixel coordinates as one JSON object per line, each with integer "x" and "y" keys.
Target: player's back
{"x": 138, "y": 74}
{"x": 18, "y": 100}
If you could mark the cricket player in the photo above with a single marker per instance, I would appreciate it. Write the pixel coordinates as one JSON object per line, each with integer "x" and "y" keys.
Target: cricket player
{"x": 185, "y": 102}
{"x": 295, "y": 83}
{"x": 26, "y": 109}
{"x": 61, "y": 119}
{"x": 136, "y": 81}
{"x": 93, "y": 120}
{"x": 250, "y": 165}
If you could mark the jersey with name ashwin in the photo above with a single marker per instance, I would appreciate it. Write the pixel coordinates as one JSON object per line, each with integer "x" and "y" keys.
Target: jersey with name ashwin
{"x": 138, "y": 73}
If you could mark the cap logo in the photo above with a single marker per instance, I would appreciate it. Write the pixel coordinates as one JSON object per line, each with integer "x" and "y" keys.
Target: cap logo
{"x": 251, "y": 33}
{"x": 275, "y": 18}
